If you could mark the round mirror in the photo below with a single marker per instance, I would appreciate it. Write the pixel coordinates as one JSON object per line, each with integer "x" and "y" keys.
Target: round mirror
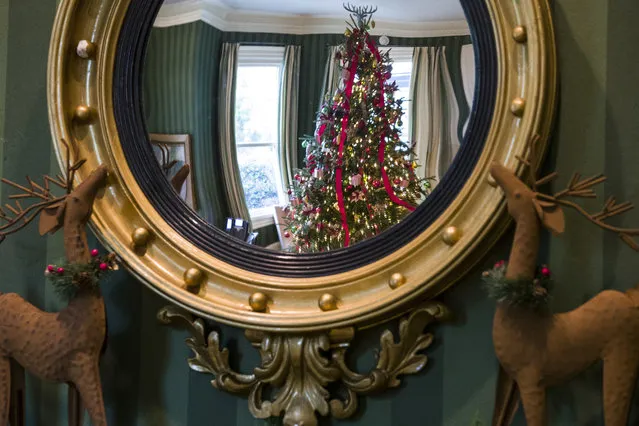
{"x": 382, "y": 126}
{"x": 305, "y": 127}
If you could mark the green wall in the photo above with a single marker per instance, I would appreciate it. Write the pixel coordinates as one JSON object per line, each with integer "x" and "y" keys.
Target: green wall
{"x": 147, "y": 382}
{"x": 186, "y": 56}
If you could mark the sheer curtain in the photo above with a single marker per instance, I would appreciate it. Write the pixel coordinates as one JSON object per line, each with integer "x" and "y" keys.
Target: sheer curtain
{"x": 435, "y": 112}
{"x": 289, "y": 106}
{"x": 332, "y": 74}
{"x": 468, "y": 76}
{"x": 232, "y": 178}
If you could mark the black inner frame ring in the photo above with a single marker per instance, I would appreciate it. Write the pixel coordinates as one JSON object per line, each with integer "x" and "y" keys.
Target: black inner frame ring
{"x": 130, "y": 121}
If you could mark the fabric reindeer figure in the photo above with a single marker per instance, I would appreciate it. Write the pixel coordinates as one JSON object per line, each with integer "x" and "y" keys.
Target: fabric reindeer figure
{"x": 65, "y": 346}
{"x": 537, "y": 349}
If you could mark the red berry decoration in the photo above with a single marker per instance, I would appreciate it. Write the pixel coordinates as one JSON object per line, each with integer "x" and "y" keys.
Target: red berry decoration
{"x": 60, "y": 271}
{"x": 287, "y": 234}
{"x": 104, "y": 266}
{"x": 51, "y": 268}
{"x": 545, "y": 271}
{"x": 95, "y": 253}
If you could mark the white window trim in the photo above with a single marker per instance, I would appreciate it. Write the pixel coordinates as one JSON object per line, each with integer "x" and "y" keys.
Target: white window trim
{"x": 262, "y": 218}
{"x": 402, "y": 54}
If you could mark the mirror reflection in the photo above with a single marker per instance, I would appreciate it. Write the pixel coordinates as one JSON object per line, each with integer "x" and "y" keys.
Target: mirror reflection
{"x": 307, "y": 126}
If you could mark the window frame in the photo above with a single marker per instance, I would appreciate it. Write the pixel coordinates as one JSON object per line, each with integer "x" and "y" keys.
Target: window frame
{"x": 404, "y": 54}
{"x": 264, "y": 56}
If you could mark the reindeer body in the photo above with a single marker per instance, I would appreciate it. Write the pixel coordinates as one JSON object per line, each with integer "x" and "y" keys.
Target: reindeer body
{"x": 56, "y": 342}
{"x": 539, "y": 349}
{"x": 554, "y": 348}
{"x": 64, "y": 346}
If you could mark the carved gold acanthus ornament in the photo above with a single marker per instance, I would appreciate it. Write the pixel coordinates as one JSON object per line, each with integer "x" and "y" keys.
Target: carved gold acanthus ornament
{"x": 300, "y": 367}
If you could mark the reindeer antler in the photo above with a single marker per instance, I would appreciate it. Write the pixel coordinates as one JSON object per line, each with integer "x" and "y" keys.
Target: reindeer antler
{"x": 364, "y": 14}
{"x": 531, "y": 162}
{"x": 16, "y": 216}
{"x": 581, "y": 188}
{"x": 166, "y": 154}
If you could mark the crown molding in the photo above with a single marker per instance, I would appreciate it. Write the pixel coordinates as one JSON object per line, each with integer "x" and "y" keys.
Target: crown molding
{"x": 226, "y": 19}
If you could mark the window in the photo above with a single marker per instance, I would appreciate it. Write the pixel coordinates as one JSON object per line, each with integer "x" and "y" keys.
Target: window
{"x": 257, "y": 129}
{"x": 402, "y": 73}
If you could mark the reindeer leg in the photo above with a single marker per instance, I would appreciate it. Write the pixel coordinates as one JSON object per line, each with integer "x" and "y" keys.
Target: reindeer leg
{"x": 87, "y": 381}
{"x": 533, "y": 397}
{"x": 75, "y": 407}
{"x": 18, "y": 391}
{"x": 5, "y": 389}
{"x": 620, "y": 376}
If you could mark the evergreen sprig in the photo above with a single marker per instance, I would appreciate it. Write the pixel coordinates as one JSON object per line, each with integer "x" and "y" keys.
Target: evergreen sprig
{"x": 70, "y": 278}
{"x": 530, "y": 294}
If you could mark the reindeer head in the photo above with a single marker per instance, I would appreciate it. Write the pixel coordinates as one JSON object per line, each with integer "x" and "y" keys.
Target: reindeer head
{"x": 526, "y": 201}
{"x": 73, "y": 208}
{"x": 76, "y": 208}
{"x": 523, "y": 202}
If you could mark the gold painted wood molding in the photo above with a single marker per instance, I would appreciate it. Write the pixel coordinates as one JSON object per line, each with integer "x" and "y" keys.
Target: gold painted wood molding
{"x": 299, "y": 367}
{"x": 81, "y": 109}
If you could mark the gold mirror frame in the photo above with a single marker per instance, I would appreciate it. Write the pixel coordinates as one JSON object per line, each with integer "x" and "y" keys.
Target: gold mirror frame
{"x": 81, "y": 65}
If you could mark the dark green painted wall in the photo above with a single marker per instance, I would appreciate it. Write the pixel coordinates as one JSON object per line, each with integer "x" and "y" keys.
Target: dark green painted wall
{"x": 146, "y": 380}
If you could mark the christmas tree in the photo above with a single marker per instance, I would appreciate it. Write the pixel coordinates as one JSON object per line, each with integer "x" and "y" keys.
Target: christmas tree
{"x": 359, "y": 176}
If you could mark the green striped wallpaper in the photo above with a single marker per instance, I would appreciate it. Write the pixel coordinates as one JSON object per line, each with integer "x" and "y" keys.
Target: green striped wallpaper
{"x": 145, "y": 378}
{"x": 180, "y": 85}
{"x": 4, "y": 32}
